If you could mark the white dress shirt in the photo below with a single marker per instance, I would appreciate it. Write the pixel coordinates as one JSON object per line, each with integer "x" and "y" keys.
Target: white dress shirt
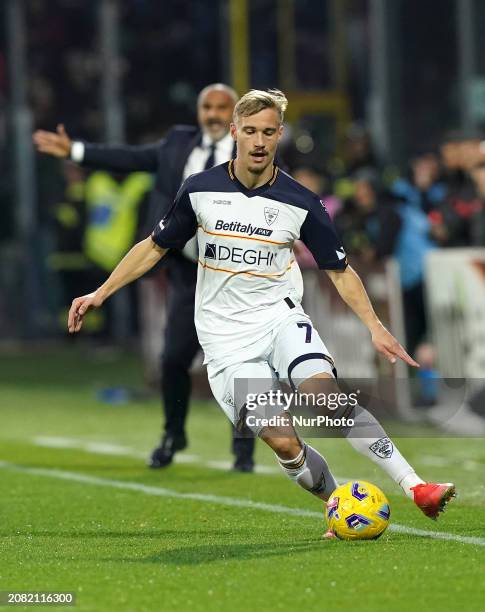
{"x": 200, "y": 154}
{"x": 196, "y": 163}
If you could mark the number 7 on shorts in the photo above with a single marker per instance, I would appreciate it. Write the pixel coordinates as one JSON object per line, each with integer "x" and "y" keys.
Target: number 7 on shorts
{"x": 308, "y": 337}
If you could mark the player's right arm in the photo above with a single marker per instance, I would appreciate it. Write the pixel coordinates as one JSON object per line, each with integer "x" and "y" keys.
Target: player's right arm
{"x": 117, "y": 158}
{"x": 141, "y": 258}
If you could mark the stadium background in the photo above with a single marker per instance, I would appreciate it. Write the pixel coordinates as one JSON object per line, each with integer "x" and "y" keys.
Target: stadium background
{"x": 376, "y": 88}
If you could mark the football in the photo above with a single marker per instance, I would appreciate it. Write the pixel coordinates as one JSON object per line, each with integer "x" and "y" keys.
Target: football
{"x": 358, "y": 510}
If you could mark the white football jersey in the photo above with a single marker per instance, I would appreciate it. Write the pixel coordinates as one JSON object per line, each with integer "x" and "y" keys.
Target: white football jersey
{"x": 245, "y": 286}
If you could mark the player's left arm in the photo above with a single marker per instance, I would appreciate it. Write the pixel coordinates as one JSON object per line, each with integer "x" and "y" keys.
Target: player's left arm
{"x": 352, "y": 291}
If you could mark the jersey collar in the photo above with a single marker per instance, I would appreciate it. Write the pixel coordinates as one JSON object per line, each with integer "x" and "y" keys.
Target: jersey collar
{"x": 251, "y": 192}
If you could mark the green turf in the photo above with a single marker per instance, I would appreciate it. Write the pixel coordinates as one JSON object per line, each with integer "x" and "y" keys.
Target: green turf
{"x": 123, "y": 549}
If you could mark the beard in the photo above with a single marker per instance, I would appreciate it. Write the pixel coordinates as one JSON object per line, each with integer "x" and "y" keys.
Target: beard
{"x": 256, "y": 169}
{"x": 216, "y": 130}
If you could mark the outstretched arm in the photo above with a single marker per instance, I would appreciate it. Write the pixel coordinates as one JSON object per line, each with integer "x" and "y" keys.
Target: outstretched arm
{"x": 134, "y": 264}
{"x": 352, "y": 291}
{"x": 118, "y": 158}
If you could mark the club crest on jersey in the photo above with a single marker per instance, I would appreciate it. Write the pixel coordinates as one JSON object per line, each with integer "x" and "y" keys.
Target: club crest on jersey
{"x": 383, "y": 448}
{"x": 229, "y": 400}
{"x": 270, "y": 214}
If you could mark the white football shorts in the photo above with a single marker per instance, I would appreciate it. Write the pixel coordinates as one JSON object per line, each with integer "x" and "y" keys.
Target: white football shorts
{"x": 292, "y": 353}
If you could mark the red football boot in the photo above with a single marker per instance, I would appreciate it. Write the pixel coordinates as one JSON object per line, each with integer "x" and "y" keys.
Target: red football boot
{"x": 432, "y": 498}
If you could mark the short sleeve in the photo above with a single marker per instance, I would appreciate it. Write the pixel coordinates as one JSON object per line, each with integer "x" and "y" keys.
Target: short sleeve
{"x": 178, "y": 225}
{"x": 320, "y": 236}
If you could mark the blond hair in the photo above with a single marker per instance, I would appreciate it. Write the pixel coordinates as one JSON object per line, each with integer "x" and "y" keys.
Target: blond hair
{"x": 257, "y": 100}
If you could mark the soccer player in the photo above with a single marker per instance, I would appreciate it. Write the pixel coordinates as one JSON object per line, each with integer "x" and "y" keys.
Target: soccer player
{"x": 247, "y": 214}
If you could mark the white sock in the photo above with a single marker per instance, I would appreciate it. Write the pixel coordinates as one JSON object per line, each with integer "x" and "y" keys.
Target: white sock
{"x": 310, "y": 470}
{"x": 368, "y": 437}
{"x": 411, "y": 480}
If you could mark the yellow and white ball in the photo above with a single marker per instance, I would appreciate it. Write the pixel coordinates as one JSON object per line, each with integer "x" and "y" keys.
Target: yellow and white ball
{"x": 358, "y": 510}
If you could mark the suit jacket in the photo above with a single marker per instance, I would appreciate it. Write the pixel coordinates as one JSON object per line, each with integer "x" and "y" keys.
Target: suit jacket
{"x": 165, "y": 158}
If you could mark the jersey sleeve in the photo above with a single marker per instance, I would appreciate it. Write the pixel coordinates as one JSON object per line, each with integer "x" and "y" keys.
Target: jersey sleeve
{"x": 179, "y": 224}
{"x": 320, "y": 236}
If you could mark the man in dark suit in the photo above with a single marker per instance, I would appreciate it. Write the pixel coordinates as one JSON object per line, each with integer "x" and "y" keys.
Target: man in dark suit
{"x": 185, "y": 150}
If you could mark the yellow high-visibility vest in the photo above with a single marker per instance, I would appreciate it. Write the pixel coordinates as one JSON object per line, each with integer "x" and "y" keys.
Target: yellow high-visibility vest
{"x": 112, "y": 216}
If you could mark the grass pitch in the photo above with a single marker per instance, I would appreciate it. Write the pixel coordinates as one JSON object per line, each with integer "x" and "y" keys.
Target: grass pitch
{"x": 81, "y": 512}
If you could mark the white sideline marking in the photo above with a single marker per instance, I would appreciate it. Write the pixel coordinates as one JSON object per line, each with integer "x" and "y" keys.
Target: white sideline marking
{"x": 104, "y": 448}
{"x": 222, "y": 501}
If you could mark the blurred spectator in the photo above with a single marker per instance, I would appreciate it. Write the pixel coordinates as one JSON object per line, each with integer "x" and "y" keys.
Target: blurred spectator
{"x": 317, "y": 182}
{"x": 358, "y": 155}
{"x": 422, "y": 188}
{"x": 421, "y": 194}
{"x": 369, "y": 223}
{"x": 453, "y": 223}
{"x": 478, "y": 219}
